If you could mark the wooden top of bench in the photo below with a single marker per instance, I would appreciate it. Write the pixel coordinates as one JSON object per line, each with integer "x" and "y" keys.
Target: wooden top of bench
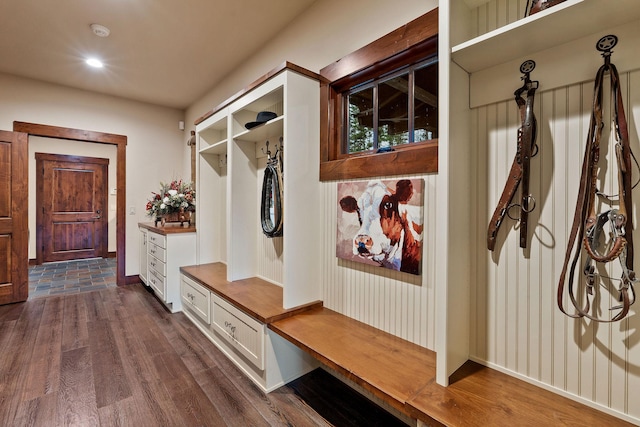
{"x": 256, "y": 297}
{"x": 391, "y": 368}
{"x": 403, "y": 374}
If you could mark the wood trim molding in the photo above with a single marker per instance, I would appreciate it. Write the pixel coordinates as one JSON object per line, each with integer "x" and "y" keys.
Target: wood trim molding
{"x": 405, "y": 45}
{"x": 121, "y": 158}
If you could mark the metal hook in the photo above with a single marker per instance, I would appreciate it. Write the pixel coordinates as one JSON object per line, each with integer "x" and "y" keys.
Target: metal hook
{"x": 268, "y": 152}
{"x": 605, "y": 45}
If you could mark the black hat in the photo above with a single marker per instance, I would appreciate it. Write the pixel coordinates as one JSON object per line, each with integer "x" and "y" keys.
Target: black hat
{"x": 262, "y": 117}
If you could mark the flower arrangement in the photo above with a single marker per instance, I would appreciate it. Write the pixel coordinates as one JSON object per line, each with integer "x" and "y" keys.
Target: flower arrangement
{"x": 177, "y": 196}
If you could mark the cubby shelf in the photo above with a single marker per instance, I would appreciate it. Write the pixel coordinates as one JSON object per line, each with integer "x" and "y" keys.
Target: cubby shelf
{"x": 217, "y": 148}
{"x": 270, "y": 129}
{"x": 560, "y": 24}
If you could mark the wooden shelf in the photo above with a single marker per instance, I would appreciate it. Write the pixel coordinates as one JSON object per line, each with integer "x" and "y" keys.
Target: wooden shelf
{"x": 271, "y": 128}
{"x": 560, "y": 24}
{"x": 258, "y": 298}
{"x": 217, "y": 148}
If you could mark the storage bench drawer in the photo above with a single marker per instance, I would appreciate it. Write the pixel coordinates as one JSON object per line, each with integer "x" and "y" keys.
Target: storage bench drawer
{"x": 240, "y": 331}
{"x": 157, "y": 282}
{"x": 196, "y": 297}
{"x": 157, "y": 239}
{"x": 157, "y": 252}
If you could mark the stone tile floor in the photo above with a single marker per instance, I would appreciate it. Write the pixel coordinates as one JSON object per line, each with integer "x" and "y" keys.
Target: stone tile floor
{"x": 71, "y": 276}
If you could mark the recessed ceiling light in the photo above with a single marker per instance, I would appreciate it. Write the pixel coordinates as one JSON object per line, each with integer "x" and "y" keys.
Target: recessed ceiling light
{"x": 94, "y": 62}
{"x": 100, "y": 30}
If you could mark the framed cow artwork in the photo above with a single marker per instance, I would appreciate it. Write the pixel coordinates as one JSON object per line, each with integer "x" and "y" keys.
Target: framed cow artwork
{"x": 380, "y": 222}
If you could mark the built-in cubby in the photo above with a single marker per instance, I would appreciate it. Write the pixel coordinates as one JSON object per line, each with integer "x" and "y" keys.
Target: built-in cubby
{"x": 500, "y": 308}
{"x": 232, "y": 160}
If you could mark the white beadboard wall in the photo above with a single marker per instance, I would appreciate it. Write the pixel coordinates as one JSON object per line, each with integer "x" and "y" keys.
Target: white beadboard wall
{"x": 399, "y": 303}
{"x": 516, "y": 325}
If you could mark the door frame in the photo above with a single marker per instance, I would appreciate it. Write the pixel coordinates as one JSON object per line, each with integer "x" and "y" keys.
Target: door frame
{"x": 120, "y": 141}
{"x": 104, "y": 164}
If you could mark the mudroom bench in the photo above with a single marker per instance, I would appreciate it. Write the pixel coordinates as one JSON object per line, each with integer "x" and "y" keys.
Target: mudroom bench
{"x": 272, "y": 345}
{"x": 403, "y": 374}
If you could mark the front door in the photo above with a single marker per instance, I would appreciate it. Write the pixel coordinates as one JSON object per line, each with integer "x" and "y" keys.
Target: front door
{"x": 70, "y": 207}
{"x": 14, "y": 231}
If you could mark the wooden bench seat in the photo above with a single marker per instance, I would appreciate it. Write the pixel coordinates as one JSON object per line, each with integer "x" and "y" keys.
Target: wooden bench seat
{"x": 391, "y": 368}
{"x": 396, "y": 371}
{"x": 403, "y": 375}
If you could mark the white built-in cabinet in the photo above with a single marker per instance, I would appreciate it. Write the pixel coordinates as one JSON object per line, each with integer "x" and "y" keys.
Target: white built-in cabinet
{"x": 167, "y": 249}
{"x": 235, "y": 260}
{"x": 231, "y": 164}
{"x": 142, "y": 257}
{"x": 481, "y": 46}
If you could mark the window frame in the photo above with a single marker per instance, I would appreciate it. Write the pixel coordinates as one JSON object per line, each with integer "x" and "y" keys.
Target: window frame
{"x": 408, "y": 45}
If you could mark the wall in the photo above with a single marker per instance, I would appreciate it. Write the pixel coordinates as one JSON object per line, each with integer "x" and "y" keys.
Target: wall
{"x": 516, "y": 325}
{"x": 154, "y": 141}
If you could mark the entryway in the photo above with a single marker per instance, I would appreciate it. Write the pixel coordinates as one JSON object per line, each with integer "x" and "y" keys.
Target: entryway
{"x": 71, "y": 277}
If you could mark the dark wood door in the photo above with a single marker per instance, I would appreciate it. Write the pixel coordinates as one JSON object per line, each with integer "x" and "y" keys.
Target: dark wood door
{"x": 71, "y": 202}
{"x": 14, "y": 231}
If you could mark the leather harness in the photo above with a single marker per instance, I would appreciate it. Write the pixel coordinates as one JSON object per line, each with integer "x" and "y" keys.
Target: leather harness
{"x": 519, "y": 172}
{"x": 271, "y": 200}
{"x": 587, "y": 229}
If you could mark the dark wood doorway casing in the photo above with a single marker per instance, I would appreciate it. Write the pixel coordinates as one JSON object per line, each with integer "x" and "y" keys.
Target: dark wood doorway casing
{"x": 71, "y": 200}
{"x": 120, "y": 141}
{"x": 14, "y": 234}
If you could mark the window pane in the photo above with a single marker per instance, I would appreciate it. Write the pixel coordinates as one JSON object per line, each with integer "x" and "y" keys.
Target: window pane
{"x": 393, "y": 107}
{"x": 360, "y": 120}
{"x": 426, "y": 103}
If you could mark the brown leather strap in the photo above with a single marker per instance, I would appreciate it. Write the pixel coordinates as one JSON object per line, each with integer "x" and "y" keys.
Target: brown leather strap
{"x": 587, "y": 224}
{"x": 519, "y": 168}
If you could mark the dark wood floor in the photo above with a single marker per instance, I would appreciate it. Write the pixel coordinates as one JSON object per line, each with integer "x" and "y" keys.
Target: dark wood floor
{"x": 116, "y": 357}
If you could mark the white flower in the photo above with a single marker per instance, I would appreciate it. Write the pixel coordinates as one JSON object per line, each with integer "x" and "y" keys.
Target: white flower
{"x": 173, "y": 192}
{"x": 165, "y": 200}
{"x": 162, "y": 206}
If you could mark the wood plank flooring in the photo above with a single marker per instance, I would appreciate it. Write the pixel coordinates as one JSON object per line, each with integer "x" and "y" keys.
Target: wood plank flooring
{"x": 116, "y": 357}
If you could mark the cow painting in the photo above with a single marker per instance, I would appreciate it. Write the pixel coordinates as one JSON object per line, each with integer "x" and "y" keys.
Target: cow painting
{"x": 380, "y": 223}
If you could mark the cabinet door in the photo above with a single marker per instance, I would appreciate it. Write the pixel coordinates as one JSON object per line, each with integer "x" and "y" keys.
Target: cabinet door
{"x": 143, "y": 255}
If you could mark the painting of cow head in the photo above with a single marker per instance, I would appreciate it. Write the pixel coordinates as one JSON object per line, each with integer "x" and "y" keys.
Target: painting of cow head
{"x": 380, "y": 223}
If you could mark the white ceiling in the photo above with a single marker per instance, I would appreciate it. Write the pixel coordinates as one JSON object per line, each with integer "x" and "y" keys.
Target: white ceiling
{"x": 165, "y": 52}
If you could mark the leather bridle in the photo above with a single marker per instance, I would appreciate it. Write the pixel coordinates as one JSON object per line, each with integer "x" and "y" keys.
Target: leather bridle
{"x": 271, "y": 200}
{"x": 519, "y": 173}
{"x": 588, "y": 224}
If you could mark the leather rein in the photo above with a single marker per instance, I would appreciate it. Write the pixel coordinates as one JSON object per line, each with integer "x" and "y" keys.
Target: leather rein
{"x": 588, "y": 225}
{"x": 271, "y": 200}
{"x": 519, "y": 173}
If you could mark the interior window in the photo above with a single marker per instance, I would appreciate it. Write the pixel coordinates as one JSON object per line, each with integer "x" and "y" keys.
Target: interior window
{"x": 396, "y": 109}
{"x": 380, "y": 106}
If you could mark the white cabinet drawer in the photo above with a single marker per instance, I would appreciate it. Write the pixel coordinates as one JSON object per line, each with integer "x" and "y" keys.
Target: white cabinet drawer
{"x": 157, "y": 265}
{"x": 157, "y": 239}
{"x": 240, "y": 331}
{"x": 157, "y": 251}
{"x": 196, "y": 297}
{"x": 157, "y": 282}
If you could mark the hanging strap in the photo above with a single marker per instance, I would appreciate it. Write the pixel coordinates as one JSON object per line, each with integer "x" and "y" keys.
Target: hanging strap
{"x": 520, "y": 167}
{"x": 588, "y": 225}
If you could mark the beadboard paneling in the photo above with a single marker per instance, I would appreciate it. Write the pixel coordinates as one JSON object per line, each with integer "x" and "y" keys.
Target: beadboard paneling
{"x": 515, "y": 323}
{"x": 399, "y": 303}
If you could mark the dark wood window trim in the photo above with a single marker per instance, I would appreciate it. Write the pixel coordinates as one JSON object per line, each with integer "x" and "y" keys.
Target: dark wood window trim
{"x": 120, "y": 141}
{"x": 403, "y": 46}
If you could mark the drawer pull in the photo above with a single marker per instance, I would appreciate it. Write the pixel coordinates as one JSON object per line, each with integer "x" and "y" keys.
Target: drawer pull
{"x": 231, "y": 329}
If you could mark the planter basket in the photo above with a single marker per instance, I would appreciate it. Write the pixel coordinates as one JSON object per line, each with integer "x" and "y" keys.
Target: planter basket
{"x": 180, "y": 216}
